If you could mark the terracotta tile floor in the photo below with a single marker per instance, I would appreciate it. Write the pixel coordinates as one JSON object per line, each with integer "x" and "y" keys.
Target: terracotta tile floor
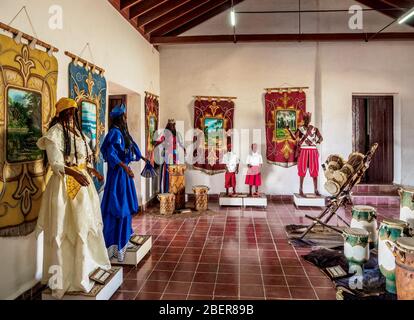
{"x": 236, "y": 254}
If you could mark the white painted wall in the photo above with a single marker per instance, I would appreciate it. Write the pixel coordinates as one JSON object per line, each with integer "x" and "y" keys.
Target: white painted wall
{"x": 333, "y": 71}
{"x": 117, "y": 47}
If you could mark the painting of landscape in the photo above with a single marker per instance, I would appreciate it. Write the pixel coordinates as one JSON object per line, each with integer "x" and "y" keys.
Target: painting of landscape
{"x": 88, "y": 120}
{"x": 285, "y": 118}
{"x": 24, "y": 125}
{"x": 213, "y": 131}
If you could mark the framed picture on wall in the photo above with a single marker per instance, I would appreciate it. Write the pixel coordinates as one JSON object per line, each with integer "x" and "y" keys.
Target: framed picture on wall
{"x": 89, "y": 121}
{"x": 285, "y": 118}
{"x": 24, "y": 125}
{"x": 213, "y": 128}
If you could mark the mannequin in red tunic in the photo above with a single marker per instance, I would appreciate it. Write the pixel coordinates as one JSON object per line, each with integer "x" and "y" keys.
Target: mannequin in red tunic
{"x": 307, "y": 138}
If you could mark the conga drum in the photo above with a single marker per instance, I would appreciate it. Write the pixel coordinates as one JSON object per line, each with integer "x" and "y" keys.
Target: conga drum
{"x": 365, "y": 217}
{"x": 177, "y": 184}
{"x": 342, "y": 176}
{"x": 332, "y": 187}
{"x": 355, "y": 160}
{"x": 390, "y": 230}
{"x": 201, "y": 198}
{"x": 403, "y": 251}
{"x": 333, "y": 163}
{"x": 407, "y": 205}
{"x": 356, "y": 247}
{"x": 167, "y": 203}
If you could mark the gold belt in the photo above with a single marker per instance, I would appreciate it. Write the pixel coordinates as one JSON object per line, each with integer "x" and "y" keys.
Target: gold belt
{"x": 73, "y": 186}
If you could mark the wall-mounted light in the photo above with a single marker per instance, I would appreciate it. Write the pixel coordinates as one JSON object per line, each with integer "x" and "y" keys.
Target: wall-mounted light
{"x": 233, "y": 17}
{"x": 406, "y": 16}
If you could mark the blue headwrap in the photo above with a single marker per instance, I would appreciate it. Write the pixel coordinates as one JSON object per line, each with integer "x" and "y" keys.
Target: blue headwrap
{"x": 117, "y": 111}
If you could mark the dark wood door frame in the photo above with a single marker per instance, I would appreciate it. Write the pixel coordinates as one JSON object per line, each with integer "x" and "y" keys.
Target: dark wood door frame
{"x": 373, "y": 122}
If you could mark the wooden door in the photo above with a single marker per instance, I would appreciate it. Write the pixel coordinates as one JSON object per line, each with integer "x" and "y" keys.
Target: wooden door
{"x": 113, "y": 102}
{"x": 373, "y": 122}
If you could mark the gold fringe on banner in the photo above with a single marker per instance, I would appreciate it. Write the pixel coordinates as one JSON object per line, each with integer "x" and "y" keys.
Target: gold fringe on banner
{"x": 28, "y": 37}
{"x": 151, "y": 95}
{"x": 286, "y": 89}
{"x": 211, "y": 98}
{"x": 85, "y": 62}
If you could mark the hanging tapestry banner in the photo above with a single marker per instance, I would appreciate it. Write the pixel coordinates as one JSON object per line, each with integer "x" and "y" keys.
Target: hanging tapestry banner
{"x": 28, "y": 79}
{"x": 214, "y": 119}
{"x": 283, "y": 108}
{"x": 88, "y": 89}
{"x": 151, "y": 122}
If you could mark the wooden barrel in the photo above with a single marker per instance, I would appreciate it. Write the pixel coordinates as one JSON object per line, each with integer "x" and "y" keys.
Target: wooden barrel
{"x": 201, "y": 198}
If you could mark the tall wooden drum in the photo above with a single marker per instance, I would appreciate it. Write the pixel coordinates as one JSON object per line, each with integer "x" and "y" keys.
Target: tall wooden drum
{"x": 201, "y": 198}
{"x": 167, "y": 203}
{"x": 177, "y": 184}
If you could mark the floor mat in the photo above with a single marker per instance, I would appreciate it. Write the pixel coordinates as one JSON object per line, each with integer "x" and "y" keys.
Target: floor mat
{"x": 319, "y": 236}
{"x": 370, "y": 286}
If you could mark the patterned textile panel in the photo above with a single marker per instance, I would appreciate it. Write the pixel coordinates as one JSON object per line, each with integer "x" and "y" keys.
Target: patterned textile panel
{"x": 151, "y": 122}
{"x": 28, "y": 82}
{"x": 283, "y": 108}
{"x": 214, "y": 118}
{"x": 89, "y": 90}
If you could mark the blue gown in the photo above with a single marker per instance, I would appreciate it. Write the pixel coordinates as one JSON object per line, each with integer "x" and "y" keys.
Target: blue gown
{"x": 120, "y": 198}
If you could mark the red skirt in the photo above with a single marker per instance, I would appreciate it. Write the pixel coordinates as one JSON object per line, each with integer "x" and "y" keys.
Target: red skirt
{"x": 230, "y": 180}
{"x": 254, "y": 180}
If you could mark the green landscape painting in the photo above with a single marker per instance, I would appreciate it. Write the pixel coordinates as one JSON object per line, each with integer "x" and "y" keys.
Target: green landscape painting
{"x": 24, "y": 125}
{"x": 212, "y": 131}
{"x": 284, "y": 118}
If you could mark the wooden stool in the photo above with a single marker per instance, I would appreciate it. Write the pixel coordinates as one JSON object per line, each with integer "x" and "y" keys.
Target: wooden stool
{"x": 201, "y": 198}
{"x": 167, "y": 203}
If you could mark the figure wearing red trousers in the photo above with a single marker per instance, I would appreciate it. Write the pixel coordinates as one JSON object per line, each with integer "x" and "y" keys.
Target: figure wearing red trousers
{"x": 307, "y": 138}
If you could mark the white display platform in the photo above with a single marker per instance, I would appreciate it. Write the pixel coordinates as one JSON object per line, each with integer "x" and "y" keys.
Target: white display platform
{"x": 259, "y": 201}
{"x": 230, "y": 201}
{"x": 310, "y": 200}
{"x": 134, "y": 255}
{"x": 98, "y": 292}
{"x": 243, "y": 200}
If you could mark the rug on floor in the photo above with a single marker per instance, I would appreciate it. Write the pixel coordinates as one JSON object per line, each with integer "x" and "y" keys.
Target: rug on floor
{"x": 319, "y": 236}
{"x": 373, "y": 282}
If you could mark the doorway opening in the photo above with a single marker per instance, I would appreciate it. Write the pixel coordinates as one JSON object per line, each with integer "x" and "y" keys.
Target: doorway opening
{"x": 373, "y": 122}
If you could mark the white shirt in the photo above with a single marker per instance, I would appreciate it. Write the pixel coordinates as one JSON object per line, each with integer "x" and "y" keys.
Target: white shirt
{"x": 231, "y": 161}
{"x": 254, "y": 159}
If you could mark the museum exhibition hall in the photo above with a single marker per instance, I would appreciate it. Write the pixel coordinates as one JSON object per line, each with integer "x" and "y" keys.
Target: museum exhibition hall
{"x": 206, "y": 150}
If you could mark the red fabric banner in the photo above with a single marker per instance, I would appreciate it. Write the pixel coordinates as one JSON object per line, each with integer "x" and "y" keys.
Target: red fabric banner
{"x": 151, "y": 122}
{"x": 283, "y": 108}
{"x": 214, "y": 118}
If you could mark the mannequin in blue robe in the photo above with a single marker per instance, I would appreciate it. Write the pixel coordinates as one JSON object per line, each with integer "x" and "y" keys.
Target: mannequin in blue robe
{"x": 119, "y": 201}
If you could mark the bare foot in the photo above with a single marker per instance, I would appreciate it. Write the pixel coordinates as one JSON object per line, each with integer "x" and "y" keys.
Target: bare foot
{"x": 317, "y": 193}
{"x": 301, "y": 193}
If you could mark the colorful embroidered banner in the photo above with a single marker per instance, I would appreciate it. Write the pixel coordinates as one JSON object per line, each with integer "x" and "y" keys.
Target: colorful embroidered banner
{"x": 151, "y": 122}
{"x": 282, "y": 109}
{"x": 214, "y": 118}
{"x": 28, "y": 79}
{"x": 89, "y": 90}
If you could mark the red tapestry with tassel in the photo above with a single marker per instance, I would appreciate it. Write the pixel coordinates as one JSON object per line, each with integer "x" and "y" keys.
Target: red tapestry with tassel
{"x": 213, "y": 117}
{"x": 283, "y": 107}
{"x": 152, "y": 106}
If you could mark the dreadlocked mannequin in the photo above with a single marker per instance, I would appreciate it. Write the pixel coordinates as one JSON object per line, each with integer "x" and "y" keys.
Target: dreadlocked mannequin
{"x": 170, "y": 140}
{"x": 120, "y": 200}
{"x": 70, "y": 214}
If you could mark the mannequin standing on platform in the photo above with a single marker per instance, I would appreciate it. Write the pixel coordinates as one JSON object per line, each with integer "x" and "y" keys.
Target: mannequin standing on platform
{"x": 170, "y": 140}
{"x": 120, "y": 200}
{"x": 307, "y": 138}
{"x": 231, "y": 160}
{"x": 254, "y": 177}
{"x": 70, "y": 213}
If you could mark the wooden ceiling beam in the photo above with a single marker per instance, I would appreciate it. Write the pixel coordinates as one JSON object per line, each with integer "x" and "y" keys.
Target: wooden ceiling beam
{"x": 125, "y": 4}
{"x": 199, "y": 20}
{"x": 308, "y": 37}
{"x": 189, "y": 16}
{"x": 172, "y": 15}
{"x": 142, "y": 7}
{"x": 160, "y": 11}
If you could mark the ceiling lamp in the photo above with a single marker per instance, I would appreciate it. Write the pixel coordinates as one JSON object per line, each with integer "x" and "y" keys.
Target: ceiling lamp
{"x": 233, "y": 17}
{"x": 406, "y": 16}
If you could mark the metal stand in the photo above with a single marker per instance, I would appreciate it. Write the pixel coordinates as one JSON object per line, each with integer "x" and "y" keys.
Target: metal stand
{"x": 343, "y": 198}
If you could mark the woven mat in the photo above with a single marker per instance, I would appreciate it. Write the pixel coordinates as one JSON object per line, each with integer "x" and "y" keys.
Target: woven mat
{"x": 319, "y": 236}
{"x": 155, "y": 211}
{"x": 373, "y": 282}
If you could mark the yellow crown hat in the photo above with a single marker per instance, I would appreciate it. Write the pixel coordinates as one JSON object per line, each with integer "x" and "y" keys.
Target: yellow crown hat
{"x": 65, "y": 103}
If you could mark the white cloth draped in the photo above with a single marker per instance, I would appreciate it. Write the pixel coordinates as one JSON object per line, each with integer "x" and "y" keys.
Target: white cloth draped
{"x": 73, "y": 240}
